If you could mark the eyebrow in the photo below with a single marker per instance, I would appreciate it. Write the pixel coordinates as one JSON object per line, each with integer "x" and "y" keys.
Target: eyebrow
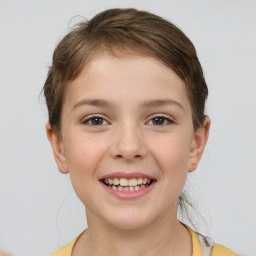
{"x": 145, "y": 104}
{"x": 93, "y": 102}
{"x": 162, "y": 102}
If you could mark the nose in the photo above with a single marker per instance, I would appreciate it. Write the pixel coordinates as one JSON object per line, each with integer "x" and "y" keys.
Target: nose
{"x": 128, "y": 144}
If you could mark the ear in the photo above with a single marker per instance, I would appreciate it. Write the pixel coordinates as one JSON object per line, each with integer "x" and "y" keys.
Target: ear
{"x": 58, "y": 150}
{"x": 198, "y": 144}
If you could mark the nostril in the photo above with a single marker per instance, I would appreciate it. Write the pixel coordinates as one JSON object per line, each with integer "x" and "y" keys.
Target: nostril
{"x": 124, "y": 157}
{"x": 128, "y": 157}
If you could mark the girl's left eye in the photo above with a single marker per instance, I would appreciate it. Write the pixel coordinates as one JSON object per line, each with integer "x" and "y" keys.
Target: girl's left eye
{"x": 95, "y": 121}
{"x": 160, "y": 120}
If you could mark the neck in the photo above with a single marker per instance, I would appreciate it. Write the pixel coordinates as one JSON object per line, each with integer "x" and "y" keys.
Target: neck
{"x": 167, "y": 236}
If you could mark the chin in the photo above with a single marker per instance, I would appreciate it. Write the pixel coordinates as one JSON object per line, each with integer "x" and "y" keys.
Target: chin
{"x": 129, "y": 224}
{"x": 129, "y": 219}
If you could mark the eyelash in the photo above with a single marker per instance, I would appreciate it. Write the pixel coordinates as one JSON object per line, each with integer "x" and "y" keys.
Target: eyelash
{"x": 90, "y": 118}
{"x": 167, "y": 120}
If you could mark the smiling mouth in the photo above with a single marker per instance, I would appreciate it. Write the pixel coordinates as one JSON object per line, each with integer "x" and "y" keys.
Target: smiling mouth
{"x": 123, "y": 184}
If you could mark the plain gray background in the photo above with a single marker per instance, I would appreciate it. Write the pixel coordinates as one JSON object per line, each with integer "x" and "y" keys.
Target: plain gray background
{"x": 38, "y": 210}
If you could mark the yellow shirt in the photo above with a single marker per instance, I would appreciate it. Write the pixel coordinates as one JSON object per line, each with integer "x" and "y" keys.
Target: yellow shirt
{"x": 218, "y": 250}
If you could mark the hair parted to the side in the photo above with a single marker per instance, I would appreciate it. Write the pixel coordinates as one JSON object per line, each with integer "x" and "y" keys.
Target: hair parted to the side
{"x": 125, "y": 31}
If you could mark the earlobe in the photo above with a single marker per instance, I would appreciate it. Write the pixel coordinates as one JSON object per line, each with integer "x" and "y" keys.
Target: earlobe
{"x": 198, "y": 144}
{"x": 57, "y": 148}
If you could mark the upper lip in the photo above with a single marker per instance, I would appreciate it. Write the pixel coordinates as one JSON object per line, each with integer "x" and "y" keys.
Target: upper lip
{"x": 127, "y": 175}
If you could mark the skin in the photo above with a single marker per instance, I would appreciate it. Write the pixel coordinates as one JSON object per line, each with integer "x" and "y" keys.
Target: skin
{"x": 128, "y": 139}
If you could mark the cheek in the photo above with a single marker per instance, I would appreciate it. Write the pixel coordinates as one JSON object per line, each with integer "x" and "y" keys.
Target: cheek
{"x": 176, "y": 153}
{"x": 83, "y": 153}
{"x": 173, "y": 163}
{"x": 174, "y": 172}
{"x": 83, "y": 157}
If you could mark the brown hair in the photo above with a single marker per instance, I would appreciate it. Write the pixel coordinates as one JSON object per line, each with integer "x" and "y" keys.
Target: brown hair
{"x": 125, "y": 30}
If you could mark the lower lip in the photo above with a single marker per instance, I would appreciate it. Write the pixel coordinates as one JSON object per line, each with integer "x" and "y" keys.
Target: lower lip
{"x": 129, "y": 194}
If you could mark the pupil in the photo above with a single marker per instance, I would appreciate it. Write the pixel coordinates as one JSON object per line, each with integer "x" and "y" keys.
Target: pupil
{"x": 97, "y": 121}
{"x": 158, "y": 120}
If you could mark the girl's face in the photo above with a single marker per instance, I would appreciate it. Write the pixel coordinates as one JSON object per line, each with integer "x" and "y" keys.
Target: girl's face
{"x": 127, "y": 121}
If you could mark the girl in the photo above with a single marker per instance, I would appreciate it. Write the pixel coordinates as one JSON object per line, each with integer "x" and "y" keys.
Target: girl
{"x": 126, "y": 98}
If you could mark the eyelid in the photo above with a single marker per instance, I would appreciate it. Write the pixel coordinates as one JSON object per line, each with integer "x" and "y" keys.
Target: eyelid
{"x": 89, "y": 117}
{"x": 165, "y": 116}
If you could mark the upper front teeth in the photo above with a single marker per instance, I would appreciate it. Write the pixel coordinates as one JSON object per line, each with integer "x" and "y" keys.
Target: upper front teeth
{"x": 127, "y": 182}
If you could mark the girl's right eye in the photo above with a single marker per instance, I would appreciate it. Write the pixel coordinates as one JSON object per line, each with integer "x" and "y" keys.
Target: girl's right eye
{"x": 95, "y": 121}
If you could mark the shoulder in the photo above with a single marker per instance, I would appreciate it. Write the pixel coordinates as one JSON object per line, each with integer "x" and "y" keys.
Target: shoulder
{"x": 66, "y": 250}
{"x": 205, "y": 246}
{"x": 220, "y": 250}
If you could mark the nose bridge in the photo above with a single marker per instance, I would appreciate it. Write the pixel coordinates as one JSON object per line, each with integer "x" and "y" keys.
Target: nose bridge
{"x": 128, "y": 143}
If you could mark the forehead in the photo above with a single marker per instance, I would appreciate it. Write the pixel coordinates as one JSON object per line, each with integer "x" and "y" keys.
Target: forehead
{"x": 126, "y": 78}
